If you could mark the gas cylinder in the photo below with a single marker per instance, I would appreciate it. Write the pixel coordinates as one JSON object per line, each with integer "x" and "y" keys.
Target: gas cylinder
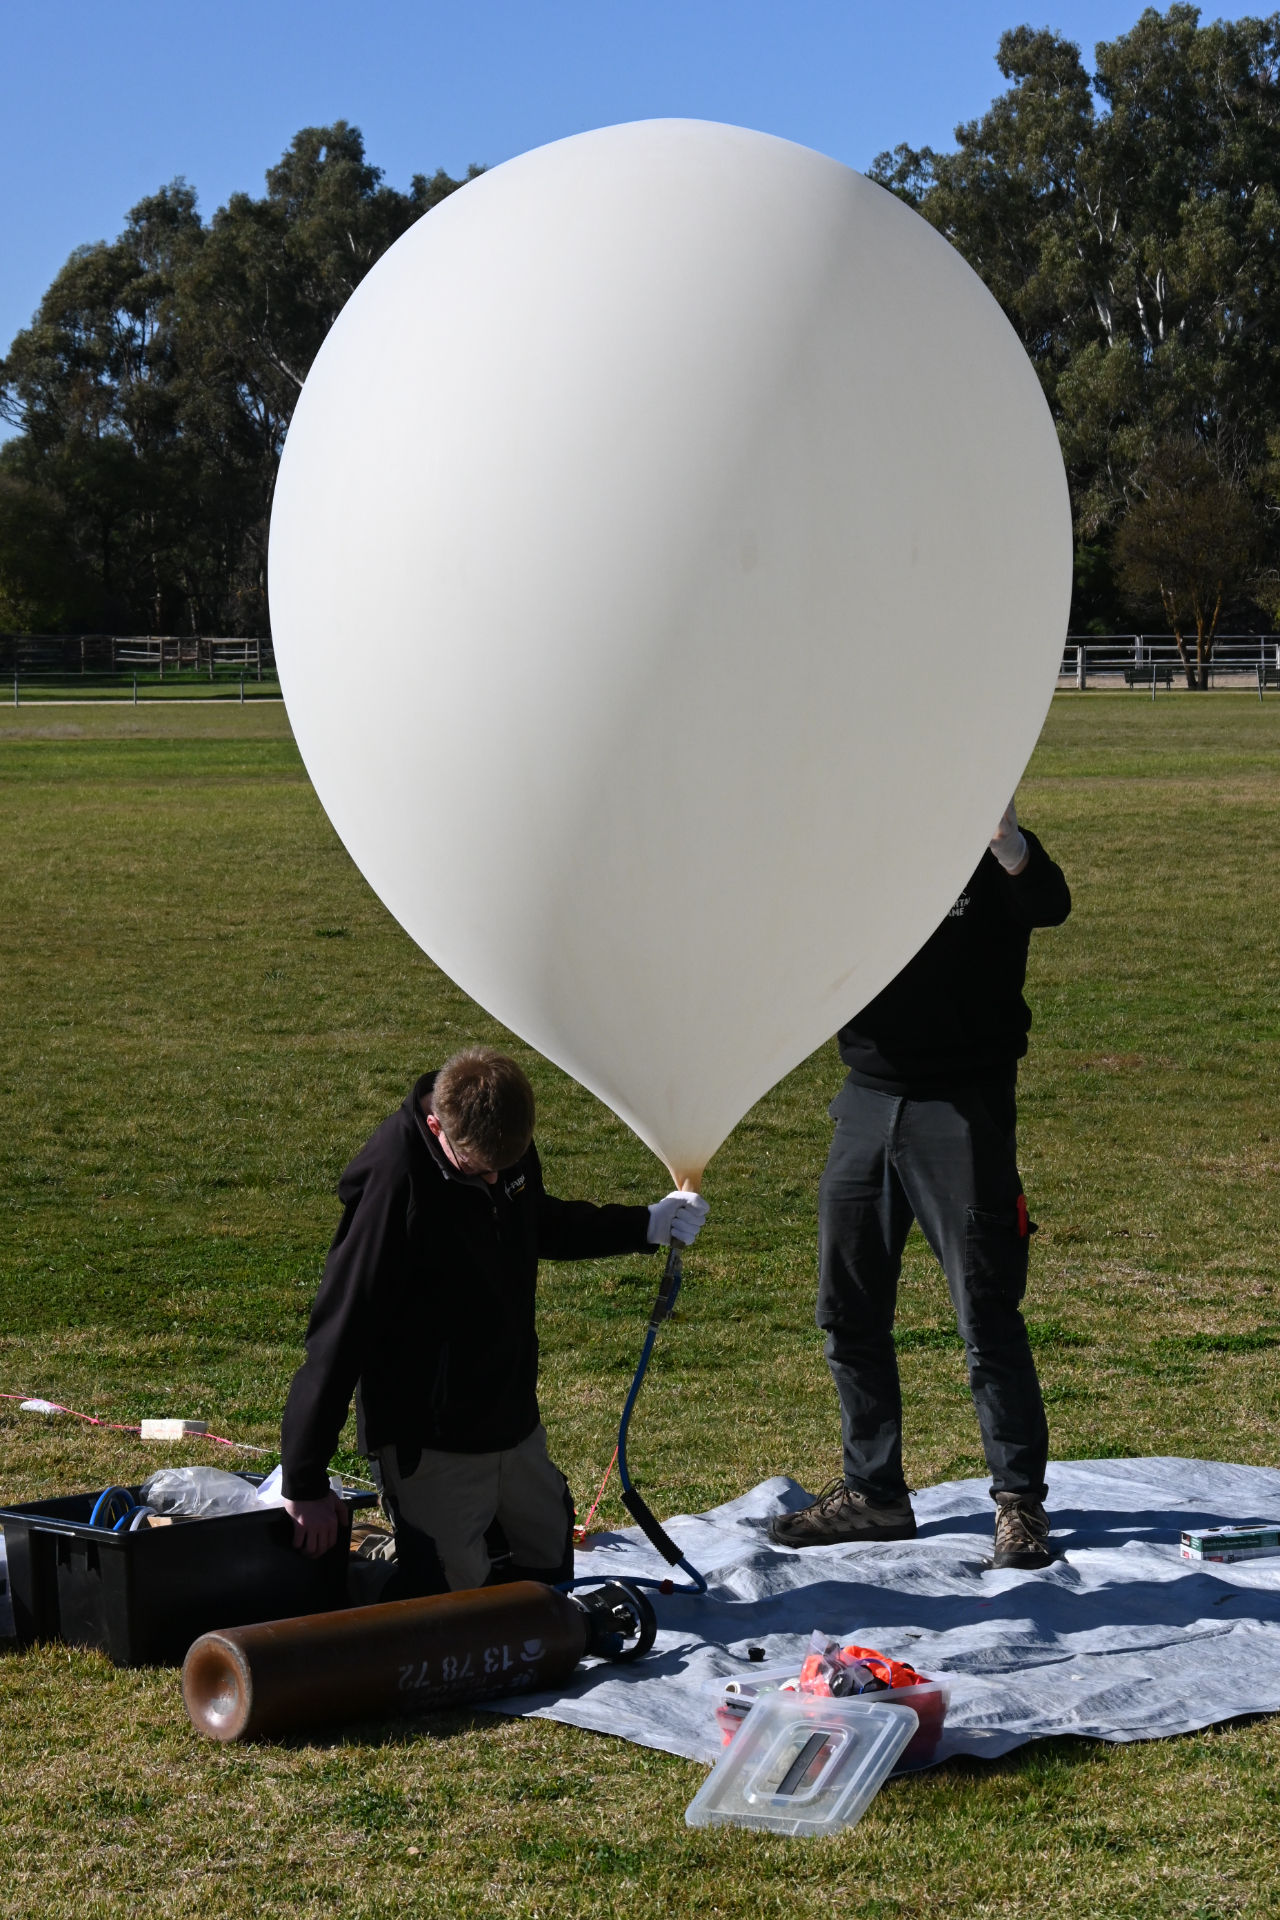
{"x": 404, "y": 1656}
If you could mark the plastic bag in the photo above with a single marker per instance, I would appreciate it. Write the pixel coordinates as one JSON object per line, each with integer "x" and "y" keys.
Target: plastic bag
{"x": 209, "y": 1492}
{"x": 202, "y": 1491}
{"x": 269, "y": 1491}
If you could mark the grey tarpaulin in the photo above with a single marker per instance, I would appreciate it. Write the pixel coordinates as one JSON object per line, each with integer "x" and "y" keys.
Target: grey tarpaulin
{"x": 1121, "y": 1639}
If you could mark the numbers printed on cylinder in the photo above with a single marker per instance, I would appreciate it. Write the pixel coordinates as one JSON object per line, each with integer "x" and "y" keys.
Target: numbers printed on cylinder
{"x": 407, "y": 1679}
{"x": 454, "y": 1667}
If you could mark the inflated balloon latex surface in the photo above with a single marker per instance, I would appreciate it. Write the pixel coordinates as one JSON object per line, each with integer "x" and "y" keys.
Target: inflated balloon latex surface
{"x": 670, "y": 563}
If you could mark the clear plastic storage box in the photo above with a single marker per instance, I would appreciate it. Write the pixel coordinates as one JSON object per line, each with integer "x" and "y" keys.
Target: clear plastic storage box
{"x": 928, "y": 1700}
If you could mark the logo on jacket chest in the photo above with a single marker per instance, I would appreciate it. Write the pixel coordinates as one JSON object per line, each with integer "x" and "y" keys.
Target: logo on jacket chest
{"x": 957, "y": 912}
{"x": 512, "y": 1188}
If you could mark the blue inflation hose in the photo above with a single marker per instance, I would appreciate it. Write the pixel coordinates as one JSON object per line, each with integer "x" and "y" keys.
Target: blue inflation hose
{"x": 646, "y": 1354}
{"x": 630, "y": 1580}
{"x": 663, "y": 1308}
{"x": 648, "y": 1523}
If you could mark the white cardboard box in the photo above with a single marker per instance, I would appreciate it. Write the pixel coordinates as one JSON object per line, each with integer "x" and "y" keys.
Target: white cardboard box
{"x": 1226, "y": 1544}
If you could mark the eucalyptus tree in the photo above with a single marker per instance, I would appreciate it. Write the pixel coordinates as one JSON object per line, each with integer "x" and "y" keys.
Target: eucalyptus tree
{"x": 1187, "y": 546}
{"x": 96, "y": 385}
{"x": 1127, "y": 218}
{"x": 155, "y": 385}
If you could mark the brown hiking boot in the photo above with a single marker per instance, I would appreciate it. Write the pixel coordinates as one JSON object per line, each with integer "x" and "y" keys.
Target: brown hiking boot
{"x": 839, "y": 1516}
{"x": 1022, "y": 1532}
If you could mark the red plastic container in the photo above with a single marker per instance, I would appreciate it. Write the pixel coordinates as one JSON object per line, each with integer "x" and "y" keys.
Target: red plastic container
{"x": 928, "y": 1699}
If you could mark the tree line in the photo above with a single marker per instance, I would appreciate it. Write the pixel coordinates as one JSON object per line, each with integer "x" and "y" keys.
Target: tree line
{"x": 1128, "y": 221}
{"x": 153, "y": 391}
{"x": 1126, "y": 216}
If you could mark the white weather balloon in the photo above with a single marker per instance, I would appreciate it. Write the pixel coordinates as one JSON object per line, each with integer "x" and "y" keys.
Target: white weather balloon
{"x": 670, "y": 563}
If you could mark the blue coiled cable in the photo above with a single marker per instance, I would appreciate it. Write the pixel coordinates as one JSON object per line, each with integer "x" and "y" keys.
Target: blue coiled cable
{"x": 128, "y": 1521}
{"x": 118, "y": 1503}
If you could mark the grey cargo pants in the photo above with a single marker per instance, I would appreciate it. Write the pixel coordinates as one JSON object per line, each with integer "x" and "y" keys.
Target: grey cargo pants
{"x": 952, "y": 1165}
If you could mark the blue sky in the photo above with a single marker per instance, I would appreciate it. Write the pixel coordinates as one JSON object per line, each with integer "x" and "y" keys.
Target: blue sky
{"x": 102, "y": 104}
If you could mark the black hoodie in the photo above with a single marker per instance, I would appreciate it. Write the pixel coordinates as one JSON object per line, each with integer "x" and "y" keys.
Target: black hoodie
{"x": 956, "y": 1012}
{"x": 427, "y": 1301}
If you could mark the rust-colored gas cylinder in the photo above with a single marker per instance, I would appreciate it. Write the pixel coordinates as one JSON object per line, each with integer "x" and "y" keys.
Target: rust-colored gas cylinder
{"x": 403, "y": 1656}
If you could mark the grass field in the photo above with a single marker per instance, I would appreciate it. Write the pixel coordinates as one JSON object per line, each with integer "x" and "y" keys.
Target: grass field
{"x": 205, "y": 1013}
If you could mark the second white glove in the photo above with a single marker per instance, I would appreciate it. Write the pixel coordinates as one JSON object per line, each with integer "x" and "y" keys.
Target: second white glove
{"x": 678, "y": 1217}
{"x": 1009, "y": 843}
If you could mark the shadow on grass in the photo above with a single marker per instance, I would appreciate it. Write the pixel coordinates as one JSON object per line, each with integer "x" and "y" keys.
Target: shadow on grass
{"x": 1034, "y": 1759}
{"x": 1063, "y": 1752}
{"x": 404, "y": 1731}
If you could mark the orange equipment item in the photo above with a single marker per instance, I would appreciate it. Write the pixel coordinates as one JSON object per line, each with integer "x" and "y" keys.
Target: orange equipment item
{"x": 830, "y": 1669}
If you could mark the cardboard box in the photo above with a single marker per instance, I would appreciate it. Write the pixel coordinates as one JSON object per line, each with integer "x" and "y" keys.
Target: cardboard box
{"x": 1225, "y": 1544}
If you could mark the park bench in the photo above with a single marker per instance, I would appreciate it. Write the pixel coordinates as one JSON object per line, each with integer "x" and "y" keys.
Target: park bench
{"x": 1147, "y": 676}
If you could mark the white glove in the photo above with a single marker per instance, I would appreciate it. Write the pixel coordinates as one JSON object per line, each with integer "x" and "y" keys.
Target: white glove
{"x": 1009, "y": 843}
{"x": 679, "y": 1217}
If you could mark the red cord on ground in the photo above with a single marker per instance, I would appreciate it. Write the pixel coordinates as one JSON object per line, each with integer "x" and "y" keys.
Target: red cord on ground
{"x": 117, "y": 1426}
{"x": 580, "y": 1532}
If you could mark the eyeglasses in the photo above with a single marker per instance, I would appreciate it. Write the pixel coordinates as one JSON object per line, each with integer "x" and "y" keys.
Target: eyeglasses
{"x": 460, "y": 1160}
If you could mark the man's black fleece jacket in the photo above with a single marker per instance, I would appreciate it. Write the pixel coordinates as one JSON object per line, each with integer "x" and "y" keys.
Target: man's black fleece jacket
{"x": 955, "y": 1013}
{"x": 427, "y": 1302}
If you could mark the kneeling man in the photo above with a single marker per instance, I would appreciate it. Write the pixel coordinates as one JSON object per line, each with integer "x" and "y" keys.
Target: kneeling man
{"x": 427, "y": 1312}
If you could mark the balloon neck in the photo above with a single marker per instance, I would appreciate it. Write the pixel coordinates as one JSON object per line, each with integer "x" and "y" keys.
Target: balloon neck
{"x": 687, "y": 1180}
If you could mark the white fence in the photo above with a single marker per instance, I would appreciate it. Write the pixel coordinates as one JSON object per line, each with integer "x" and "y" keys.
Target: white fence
{"x": 158, "y": 651}
{"x": 1243, "y": 660}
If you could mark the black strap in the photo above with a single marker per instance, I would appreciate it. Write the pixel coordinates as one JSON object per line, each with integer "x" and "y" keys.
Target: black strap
{"x": 648, "y": 1523}
{"x": 651, "y": 1527}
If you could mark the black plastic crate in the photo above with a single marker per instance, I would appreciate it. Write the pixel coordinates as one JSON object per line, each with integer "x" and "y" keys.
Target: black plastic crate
{"x": 144, "y": 1597}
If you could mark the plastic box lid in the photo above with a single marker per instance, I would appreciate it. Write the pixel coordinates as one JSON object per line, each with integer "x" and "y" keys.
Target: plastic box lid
{"x": 803, "y": 1765}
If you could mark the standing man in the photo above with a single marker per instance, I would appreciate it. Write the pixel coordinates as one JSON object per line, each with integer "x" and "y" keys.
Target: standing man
{"x": 925, "y": 1130}
{"x": 427, "y": 1312}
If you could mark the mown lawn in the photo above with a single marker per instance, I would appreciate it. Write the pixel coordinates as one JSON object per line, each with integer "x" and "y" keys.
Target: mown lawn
{"x": 205, "y": 1012}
